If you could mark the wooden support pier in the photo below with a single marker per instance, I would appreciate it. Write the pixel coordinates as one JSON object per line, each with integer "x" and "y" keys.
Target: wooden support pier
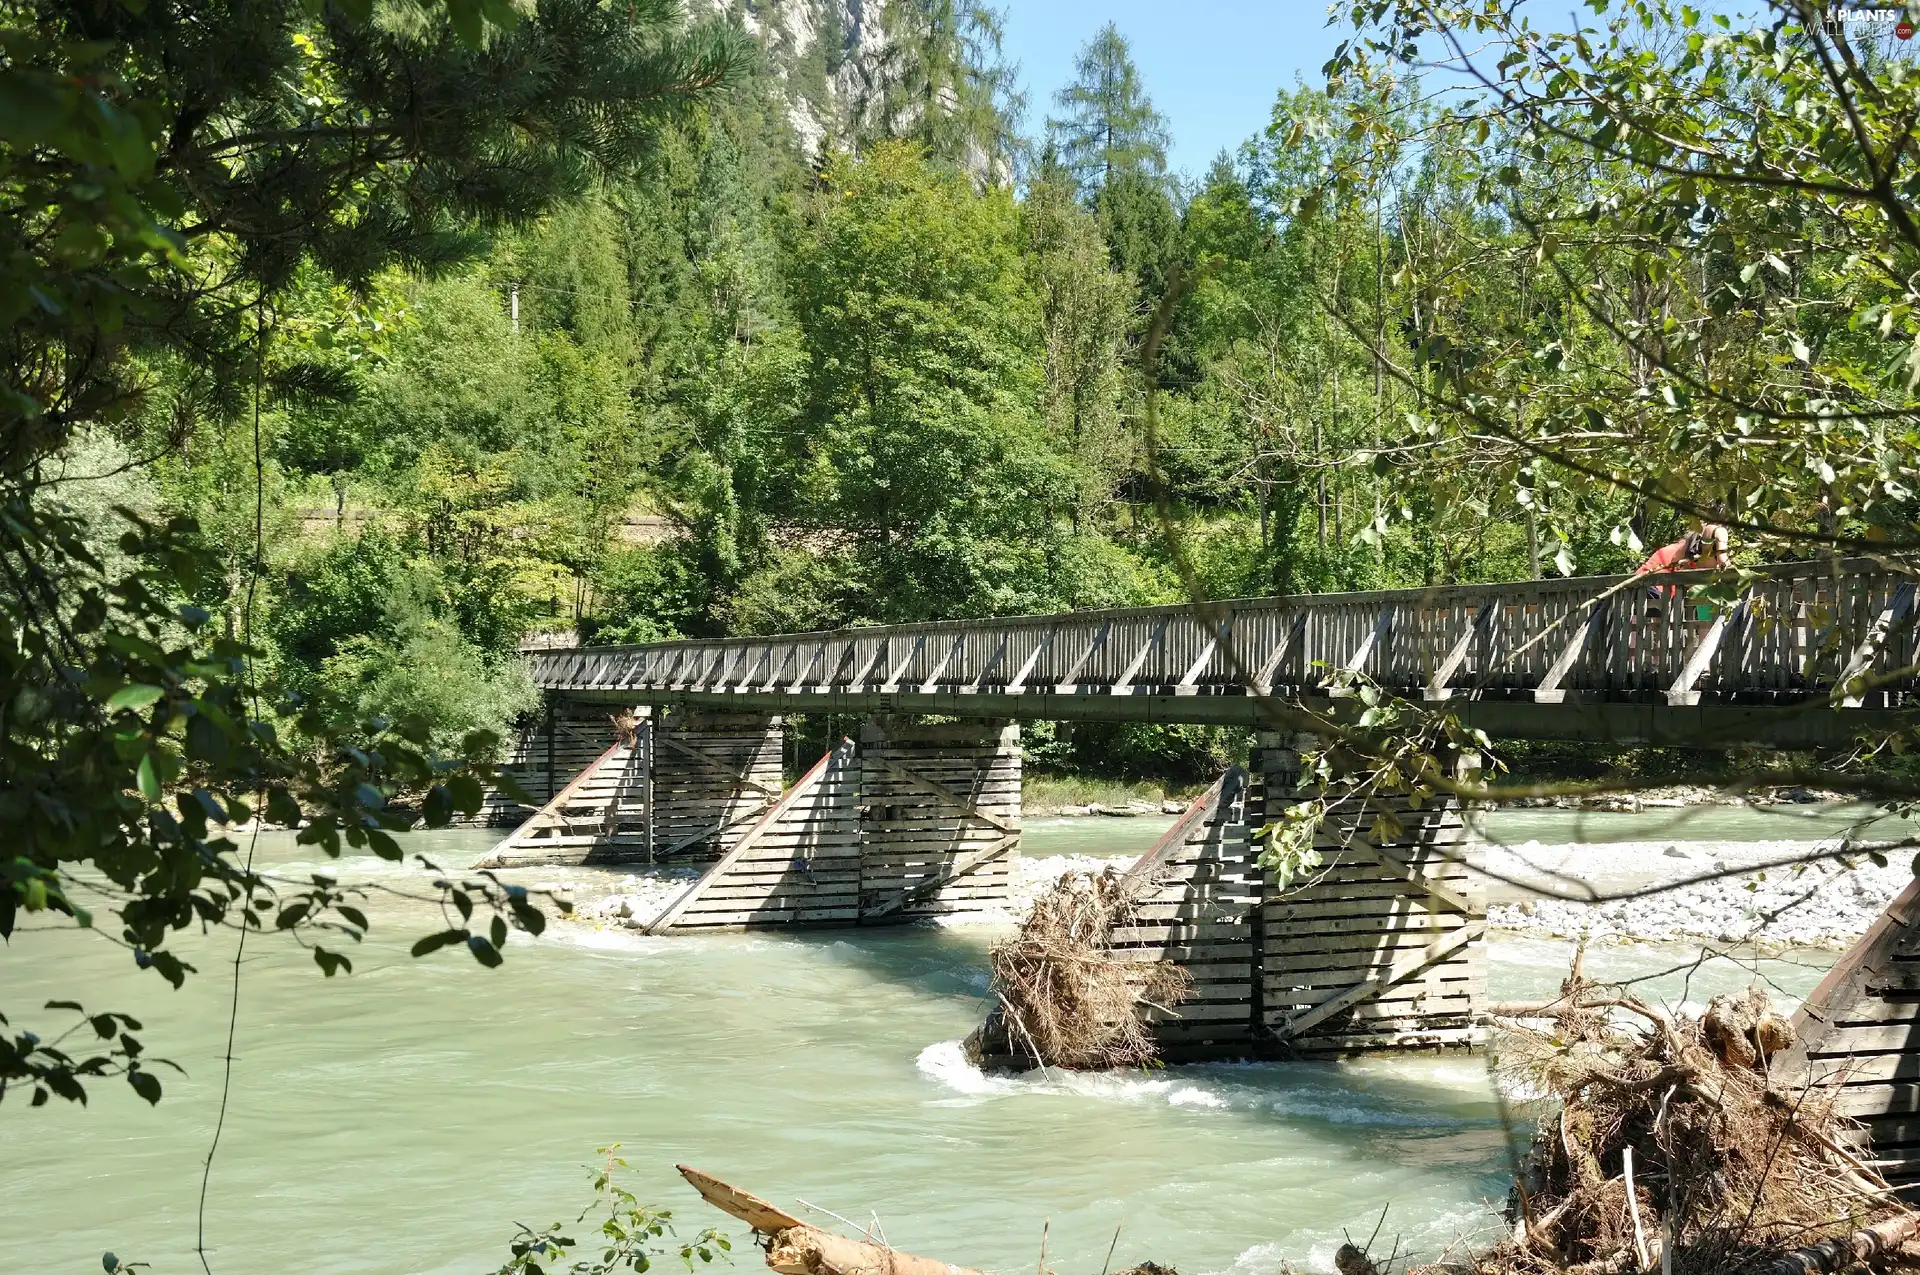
{"x": 940, "y": 824}
{"x": 638, "y": 787}
{"x": 714, "y": 775}
{"x": 797, "y": 864}
{"x": 597, "y": 817}
{"x": 1197, "y": 895}
{"x": 1378, "y": 947}
{"x": 1860, "y": 1030}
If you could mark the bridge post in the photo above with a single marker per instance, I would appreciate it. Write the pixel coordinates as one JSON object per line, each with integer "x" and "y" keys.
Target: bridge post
{"x": 549, "y": 749}
{"x": 633, "y": 785}
{"x": 940, "y": 818}
{"x": 1380, "y": 947}
{"x": 714, "y": 774}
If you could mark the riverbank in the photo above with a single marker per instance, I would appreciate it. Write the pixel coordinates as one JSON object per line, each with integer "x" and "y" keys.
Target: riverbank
{"x": 1079, "y": 796}
{"x": 1056, "y": 796}
{"x": 1666, "y": 797}
{"x": 1826, "y": 905}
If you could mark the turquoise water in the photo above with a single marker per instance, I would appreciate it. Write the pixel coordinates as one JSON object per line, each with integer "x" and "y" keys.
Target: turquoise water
{"x": 402, "y": 1118}
{"x": 1785, "y": 822}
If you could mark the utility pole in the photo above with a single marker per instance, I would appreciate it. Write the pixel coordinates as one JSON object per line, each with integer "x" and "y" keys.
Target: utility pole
{"x": 513, "y": 308}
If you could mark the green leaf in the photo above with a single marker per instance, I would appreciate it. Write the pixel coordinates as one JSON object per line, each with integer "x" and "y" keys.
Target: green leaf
{"x": 331, "y": 963}
{"x": 148, "y": 780}
{"x": 282, "y": 808}
{"x": 467, "y": 22}
{"x": 434, "y": 942}
{"x": 466, "y": 793}
{"x": 483, "y": 951}
{"x": 134, "y": 698}
{"x": 146, "y": 1084}
{"x": 498, "y": 931}
{"x": 171, "y": 967}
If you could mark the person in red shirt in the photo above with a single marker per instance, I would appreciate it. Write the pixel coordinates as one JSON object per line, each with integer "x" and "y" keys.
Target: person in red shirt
{"x": 1697, "y": 550}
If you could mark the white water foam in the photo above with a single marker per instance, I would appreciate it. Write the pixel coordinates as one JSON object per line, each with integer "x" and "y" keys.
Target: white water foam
{"x": 946, "y": 1064}
{"x": 1455, "y": 1229}
{"x": 605, "y": 940}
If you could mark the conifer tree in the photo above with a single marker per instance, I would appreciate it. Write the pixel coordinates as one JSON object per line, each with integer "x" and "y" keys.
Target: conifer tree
{"x": 1108, "y": 128}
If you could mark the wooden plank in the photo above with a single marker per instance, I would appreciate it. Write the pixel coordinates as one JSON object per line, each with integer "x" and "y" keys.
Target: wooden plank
{"x": 943, "y": 792}
{"x": 1438, "y": 686}
{"x": 1549, "y": 690}
{"x": 1332, "y": 1005}
{"x": 1067, "y": 683}
{"x": 1431, "y": 886}
{"x": 1850, "y": 684}
{"x": 806, "y": 783}
{"x": 915, "y": 893}
{"x": 1342, "y": 681}
{"x": 1701, "y": 654}
{"x": 1123, "y": 684}
{"x": 1219, "y": 795}
{"x": 740, "y": 779}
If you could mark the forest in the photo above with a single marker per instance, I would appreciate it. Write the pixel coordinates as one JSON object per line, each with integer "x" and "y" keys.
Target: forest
{"x": 349, "y": 344}
{"x": 760, "y": 381}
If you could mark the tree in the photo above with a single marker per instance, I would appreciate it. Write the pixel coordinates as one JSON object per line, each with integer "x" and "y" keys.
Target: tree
{"x": 1108, "y": 128}
{"x": 941, "y": 80}
{"x": 1085, "y": 311}
{"x": 917, "y": 447}
{"x": 1114, "y": 145}
{"x": 1712, "y": 231}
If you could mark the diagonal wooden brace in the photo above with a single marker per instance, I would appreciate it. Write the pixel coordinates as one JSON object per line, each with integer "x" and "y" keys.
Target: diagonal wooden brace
{"x": 738, "y": 778}
{"x": 946, "y": 794}
{"x": 931, "y": 885}
{"x": 1434, "y": 953}
{"x": 1437, "y": 688}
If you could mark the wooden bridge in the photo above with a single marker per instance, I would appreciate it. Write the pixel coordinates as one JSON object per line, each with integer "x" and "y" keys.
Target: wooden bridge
{"x": 671, "y": 750}
{"x": 1590, "y": 658}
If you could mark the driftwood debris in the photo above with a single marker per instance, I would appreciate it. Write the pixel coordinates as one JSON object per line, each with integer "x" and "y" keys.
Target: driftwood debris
{"x": 1070, "y": 1001}
{"x": 1674, "y": 1148}
{"x": 795, "y": 1248}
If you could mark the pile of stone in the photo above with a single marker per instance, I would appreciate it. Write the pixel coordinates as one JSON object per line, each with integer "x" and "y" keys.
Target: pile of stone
{"x": 1824, "y": 905}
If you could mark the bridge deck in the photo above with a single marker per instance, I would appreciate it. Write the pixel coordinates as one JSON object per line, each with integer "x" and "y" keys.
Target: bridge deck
{"x": 1810, "y": 654}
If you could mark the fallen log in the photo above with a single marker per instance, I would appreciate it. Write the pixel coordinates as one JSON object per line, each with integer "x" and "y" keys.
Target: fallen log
{"x": 795, "y": 1248}
{"x": 1868, "y": 1245}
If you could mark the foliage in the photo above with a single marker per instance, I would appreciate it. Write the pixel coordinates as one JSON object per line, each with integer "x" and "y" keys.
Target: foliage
{"x": 1708, "y": 231}
{"x": 1107, "y": 128}
{"x": 127, "y": 775}
{"x": 941, "y": 80}
{"x": 626, "y": 1237}
{"x": 180, "y": 192}
{"x": 402, "y": 337}
{"x": 917, "y": 446}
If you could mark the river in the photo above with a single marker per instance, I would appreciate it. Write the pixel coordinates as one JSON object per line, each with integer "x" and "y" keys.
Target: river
{"x": 401, "y": 1119}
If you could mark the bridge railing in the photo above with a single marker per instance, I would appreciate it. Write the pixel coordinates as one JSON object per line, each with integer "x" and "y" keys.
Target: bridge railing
{"x": 1802, "y": 629}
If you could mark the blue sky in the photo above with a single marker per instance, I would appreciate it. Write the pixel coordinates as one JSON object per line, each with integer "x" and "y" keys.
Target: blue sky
{"x": 1210, "y": 66}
